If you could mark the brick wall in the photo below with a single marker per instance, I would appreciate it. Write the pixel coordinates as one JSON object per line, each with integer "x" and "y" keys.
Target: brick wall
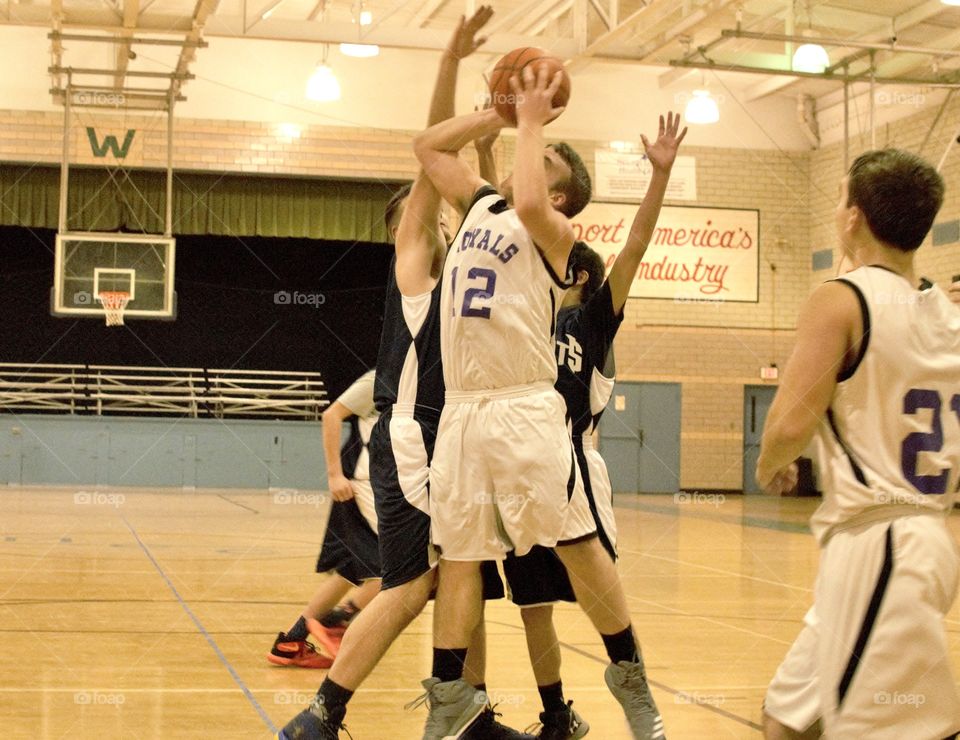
{"x": 712, "y": 349}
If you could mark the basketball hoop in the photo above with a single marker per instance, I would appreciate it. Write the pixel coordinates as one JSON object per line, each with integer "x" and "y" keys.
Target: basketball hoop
{"x": 114, "y": 303}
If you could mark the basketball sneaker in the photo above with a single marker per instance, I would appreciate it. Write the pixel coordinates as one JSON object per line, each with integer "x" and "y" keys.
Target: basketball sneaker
{"x": 628, "y": 684}
{"x": 486, "y": 727}
{"x": 453, "y": 705}
{"x": 563, "y": 724}
{"x": 328, "y": 637}
{"x": 315, "y": 723}
{"x": 299, "y": 653}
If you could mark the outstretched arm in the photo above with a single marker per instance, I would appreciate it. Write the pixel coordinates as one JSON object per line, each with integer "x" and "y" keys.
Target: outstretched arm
{"x": 661, "y": 154}
{"x": 419, "y": 240}
{"x": 438, "y": 149}
{"x": 828, "y": 331}
{"x": 550, "y": 230}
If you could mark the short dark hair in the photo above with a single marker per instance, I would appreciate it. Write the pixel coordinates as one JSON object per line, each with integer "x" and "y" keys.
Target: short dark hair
{"x": 899, "y": 194}
{"x": 578, "y": 188}
{"x": 582, "y": 257}
{"x": 393, "y": 205}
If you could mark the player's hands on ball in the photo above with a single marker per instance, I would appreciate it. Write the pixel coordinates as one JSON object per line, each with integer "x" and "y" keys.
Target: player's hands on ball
{"x": 465, "y": 41}
{"x": 340, "y": 488}
{"x": 534, "y": 95}
{"x": 663, "y": 152}
{"x": 783, "y": 480}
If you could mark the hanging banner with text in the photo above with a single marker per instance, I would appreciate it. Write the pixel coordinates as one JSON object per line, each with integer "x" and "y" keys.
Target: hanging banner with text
{"x": 627, "y": 175}
{"x": 696, "y": 253}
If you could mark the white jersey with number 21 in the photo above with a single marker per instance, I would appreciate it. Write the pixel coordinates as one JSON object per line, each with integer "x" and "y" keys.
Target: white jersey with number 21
{"x": 892, "y": 434}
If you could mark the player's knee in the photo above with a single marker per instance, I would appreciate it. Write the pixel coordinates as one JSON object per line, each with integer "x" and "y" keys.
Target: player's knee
{"x": 534, "y": 616}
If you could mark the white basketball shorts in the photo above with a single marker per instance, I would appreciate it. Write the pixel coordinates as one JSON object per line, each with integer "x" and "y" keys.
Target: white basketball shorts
{"x": 872, "y": 659}
{"x": 504, "y": 475}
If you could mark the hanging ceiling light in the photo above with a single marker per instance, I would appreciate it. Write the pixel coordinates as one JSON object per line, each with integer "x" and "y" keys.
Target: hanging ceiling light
{"x": 323, "y": 86}
{"x": 811, "y": 58}
{"x": 701, "y": 108}
{"x": 360, "y": 50}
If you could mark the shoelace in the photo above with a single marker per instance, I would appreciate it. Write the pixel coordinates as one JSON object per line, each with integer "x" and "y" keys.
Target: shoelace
{"x": 321, "y": 713}
{"x": 424, "y": 698}
{"x": 537, "y": 727}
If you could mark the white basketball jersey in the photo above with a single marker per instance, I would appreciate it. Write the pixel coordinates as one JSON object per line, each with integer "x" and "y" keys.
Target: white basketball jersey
{"x": 892, "y": 436}
{"x": 499, "y": 305}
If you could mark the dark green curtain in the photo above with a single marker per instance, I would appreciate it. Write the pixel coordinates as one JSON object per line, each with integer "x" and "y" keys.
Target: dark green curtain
{"x": 107, "y": 199}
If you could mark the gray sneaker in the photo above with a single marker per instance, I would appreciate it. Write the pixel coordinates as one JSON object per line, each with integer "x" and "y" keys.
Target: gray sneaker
{"x": 453, "y": 705}
{"x": 628, "y": 683}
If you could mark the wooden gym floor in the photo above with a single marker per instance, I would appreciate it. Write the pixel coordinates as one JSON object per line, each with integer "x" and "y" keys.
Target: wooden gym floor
{"x": 147, "y": 614}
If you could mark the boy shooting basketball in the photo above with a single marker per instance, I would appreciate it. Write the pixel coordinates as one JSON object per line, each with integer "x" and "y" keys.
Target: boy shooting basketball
{"x": 409, "y": 393}
{"x": 504, "y": 475}
{"x": 872, "y": 385}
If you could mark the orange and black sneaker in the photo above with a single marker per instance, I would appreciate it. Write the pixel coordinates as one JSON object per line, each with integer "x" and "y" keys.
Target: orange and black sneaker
{"x": 328, "y": 637}
{"x": 299, "y": 653}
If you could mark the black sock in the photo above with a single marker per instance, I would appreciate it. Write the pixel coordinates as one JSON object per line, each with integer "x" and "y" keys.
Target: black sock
{"x": 448, "y": 663}
{"x": 333, "y": 695}
{"x": 299, "y": 631}
{"x": 622, "y": 646}
{"x": 340, "y": 616}
{"x": 552, "y": 697}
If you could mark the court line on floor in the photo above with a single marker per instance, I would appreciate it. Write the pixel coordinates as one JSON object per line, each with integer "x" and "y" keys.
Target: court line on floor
{"x": 662, "y": 686}
{"x": 643, "y": 554}
{"x": 206, "y": 635}
{"x": 758, "y": 522}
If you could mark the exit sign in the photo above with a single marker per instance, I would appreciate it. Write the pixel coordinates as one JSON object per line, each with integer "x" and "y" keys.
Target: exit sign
{"x": 769, "y": 373}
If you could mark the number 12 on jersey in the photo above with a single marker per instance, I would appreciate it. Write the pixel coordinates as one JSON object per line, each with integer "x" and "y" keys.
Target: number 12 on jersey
{"x": 474, "y": 297}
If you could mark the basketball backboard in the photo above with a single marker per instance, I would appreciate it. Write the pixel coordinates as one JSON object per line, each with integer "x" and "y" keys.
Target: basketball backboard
{"x": 87, "y": 265}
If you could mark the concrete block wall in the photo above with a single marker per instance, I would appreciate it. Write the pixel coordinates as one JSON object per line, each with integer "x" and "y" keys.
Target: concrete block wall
{"x": 712, "y": 349}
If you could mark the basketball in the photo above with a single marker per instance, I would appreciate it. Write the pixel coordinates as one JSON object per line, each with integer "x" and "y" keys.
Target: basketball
{"x": 504, "y": 99}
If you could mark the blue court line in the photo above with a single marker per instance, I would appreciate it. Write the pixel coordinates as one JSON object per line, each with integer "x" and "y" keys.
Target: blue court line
{"x": 203, "y": 631}
{"x": 744, "y": 520}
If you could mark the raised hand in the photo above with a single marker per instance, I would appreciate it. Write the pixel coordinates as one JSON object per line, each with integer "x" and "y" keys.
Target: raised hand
{"x": 465, "y": 41}
{"x": 535, "y": 96}
{"x": 663, "y": 151}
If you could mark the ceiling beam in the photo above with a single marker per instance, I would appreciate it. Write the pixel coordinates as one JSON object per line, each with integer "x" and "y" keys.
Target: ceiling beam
{"x": 651, "y": 43}
{"x": 880, "y": 31}
{"x": 425, "y": 12}
{"x": 131, "y": 11}
{"x": 539, "y": 26}
{"x": 649, "y": 15}
{"x": 202, "y": 12}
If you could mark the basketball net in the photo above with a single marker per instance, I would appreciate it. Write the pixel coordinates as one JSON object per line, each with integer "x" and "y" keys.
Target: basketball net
{"x": 114, "y": 303}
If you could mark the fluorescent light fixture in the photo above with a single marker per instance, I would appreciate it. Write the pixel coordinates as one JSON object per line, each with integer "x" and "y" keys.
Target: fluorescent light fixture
{"x": 269, "y": 11}
{"x": 360, "y": 50}
{"x": 702, "y": 108}
{"x": 955, "y": 3}
{"x": 366, "y": 17}
{"x": 323, "y": 86}
{"x": 811, "y": 58}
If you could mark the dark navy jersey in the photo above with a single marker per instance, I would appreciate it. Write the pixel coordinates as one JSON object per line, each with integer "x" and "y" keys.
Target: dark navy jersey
{"x": 409, "y": 371}
{"x": 585, "y": 363}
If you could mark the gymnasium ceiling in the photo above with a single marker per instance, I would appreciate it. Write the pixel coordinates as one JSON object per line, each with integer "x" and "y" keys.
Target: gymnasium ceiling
{"x": 672, "y": 45}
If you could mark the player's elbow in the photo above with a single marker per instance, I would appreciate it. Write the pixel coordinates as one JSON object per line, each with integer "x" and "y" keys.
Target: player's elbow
{"x": 792, "y": 432}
